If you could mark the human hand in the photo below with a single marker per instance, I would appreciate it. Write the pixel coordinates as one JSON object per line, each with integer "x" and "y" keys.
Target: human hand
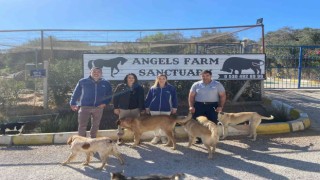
{"x": 173, "y": 111}
{"x": 116, "y": 111}
{"x": 219, "y": 109}
{"x": 102, "y": 106}
{"x": 147, "y": 111}
{"x": 74, "y": 107}
{"x": 192, "y": 110}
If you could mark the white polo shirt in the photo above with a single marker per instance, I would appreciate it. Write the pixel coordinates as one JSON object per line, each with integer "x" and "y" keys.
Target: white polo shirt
{"x": 207, "y": 92}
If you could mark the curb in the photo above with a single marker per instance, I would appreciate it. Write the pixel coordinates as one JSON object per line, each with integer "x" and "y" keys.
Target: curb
{"x": 302, "y": 123}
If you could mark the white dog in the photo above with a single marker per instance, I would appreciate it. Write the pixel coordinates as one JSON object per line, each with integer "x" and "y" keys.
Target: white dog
{"x": 103, "y": 145}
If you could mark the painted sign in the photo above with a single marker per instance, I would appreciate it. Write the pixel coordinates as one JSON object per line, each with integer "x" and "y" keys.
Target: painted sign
{"x": 177, "y": 67}
{"x": 38, "y": 73}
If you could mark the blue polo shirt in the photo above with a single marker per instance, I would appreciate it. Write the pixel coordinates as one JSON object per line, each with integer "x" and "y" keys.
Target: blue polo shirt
{"x": 207, "y": 92}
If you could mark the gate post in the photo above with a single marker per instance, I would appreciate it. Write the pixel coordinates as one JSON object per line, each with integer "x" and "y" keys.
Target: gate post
{"x": 300, "y": 66}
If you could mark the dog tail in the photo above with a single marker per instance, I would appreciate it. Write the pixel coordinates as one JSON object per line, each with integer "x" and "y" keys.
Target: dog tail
{"x": 267, "y": 118}
{"x": 184, "y": 120}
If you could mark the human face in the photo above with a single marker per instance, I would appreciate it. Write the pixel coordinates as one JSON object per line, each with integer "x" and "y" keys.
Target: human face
{"x": 162, "y": 80}
{"x": 206, "y": 78}
{"x": 130, "y": 80}
{"x": 96, "y": 74}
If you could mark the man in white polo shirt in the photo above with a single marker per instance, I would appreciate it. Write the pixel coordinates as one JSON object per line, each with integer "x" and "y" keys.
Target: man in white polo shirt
{"x": 207, "y": 97}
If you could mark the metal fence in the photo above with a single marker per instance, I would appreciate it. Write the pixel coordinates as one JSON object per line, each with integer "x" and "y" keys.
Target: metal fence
{"x": 292, "y": 67}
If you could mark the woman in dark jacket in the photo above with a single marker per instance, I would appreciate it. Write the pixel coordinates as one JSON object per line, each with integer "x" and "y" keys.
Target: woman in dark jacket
{"x": 161, "y": 99}
{"x": 128, "y": 100}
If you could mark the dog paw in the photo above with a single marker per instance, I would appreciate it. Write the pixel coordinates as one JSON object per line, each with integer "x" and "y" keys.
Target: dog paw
{"x": 134, "y": 146}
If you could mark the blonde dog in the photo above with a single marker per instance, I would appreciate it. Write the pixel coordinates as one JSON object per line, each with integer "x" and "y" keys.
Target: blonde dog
{"x": 103, "y": 145}
{"x": 150, "y": 123}
{"x": 236, "y": 118}
{"x": 206, "y": 130}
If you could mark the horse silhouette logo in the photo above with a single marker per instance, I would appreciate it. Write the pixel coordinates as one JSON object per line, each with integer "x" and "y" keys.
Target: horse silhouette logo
{"x": 238, "y": 64}
{"x": 112, "y": 63}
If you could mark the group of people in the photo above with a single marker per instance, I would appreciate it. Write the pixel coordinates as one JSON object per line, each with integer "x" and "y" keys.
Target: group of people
{"x": 93, "y": 94}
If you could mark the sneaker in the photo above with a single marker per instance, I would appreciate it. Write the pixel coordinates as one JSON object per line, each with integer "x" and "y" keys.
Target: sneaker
{"x": 164, "y": 140}
{"x": 155, "y": 140}
{"x": 119, "y": 141}
{"x": 199, "y": 141}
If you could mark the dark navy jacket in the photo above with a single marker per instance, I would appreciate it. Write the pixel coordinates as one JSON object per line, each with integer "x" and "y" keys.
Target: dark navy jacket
{"x": 123, "y": 94}
{"x": 91, "y": 93}
{"x": 162, "y": 99}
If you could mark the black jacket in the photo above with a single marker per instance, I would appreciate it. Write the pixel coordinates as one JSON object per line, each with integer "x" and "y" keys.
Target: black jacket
{"x": 123, "y": 94}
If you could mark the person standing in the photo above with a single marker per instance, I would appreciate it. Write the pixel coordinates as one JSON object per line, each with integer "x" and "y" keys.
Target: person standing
{"x": 207, "y": 97}
{"x": 161, "y": 99}
{"x": 128, "y": 100}
{"x": 90, "y": 97}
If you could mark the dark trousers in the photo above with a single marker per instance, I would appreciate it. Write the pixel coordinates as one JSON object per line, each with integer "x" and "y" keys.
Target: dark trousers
{"x": 207, "y": 110}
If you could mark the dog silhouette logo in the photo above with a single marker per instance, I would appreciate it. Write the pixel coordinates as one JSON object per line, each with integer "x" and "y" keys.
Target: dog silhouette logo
{"x": 237, "y": 63}
{"x": 112, "y": 63}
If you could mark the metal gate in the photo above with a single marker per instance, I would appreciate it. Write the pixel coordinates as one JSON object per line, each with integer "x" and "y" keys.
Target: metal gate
{"x": 292, "y": 67}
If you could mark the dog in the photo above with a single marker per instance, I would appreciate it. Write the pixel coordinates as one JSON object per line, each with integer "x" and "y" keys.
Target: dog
{"x": 206, "y": 130}
{"x": 120, "y": 176}
{"x": 103, "y": 145}
{"x": 146, "y": 123}
{"x": 236, "y": 118}
{"x": 15, "y": 126}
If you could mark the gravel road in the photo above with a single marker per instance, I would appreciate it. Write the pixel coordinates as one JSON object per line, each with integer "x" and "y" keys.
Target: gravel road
{"x": 279, "y": 156}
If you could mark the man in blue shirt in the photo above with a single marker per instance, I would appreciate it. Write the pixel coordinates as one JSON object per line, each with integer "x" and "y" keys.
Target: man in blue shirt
{"x": 90, "y": 97}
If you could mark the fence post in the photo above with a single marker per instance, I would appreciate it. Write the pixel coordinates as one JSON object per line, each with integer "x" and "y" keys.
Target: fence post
{"x": 45, "y": 85}
{"x": 300, "y": 66}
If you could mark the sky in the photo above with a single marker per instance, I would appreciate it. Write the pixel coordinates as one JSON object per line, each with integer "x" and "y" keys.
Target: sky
{"x": 156, "y": 14}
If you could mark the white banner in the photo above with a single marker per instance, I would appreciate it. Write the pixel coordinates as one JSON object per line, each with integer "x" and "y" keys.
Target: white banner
{"x": 177, "y": 67}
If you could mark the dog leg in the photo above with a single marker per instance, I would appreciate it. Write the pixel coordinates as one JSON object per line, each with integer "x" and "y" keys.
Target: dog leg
{"x": 171, "y": 138}
{"x": 104, "y": 158}
{"x": 226, "y": 132}
{"x": 136, "y": 142}
{"x": 191, "y": 141}
{"x": 253, "y": 130}
{"x": 118, "y": 155}
{"x": 88, "y": 159}
{"x": 209, "y": 151}
{"x": 71, "y": 157}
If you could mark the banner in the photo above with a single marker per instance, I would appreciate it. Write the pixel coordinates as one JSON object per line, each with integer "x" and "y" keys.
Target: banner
{"x": 177, "y": 67}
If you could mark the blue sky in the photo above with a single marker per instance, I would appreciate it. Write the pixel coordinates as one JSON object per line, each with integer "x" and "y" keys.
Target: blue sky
{"x": 155, "y": 14}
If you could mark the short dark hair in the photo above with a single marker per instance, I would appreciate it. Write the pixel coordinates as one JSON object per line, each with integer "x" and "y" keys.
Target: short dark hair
{"x": 95, "y": 68}
{"x": 206, "y": 72}
{"x": 134, "y": 76}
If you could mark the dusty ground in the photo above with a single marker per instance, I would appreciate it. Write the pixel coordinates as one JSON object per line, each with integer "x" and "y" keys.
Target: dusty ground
{"x": 279, "y": 156}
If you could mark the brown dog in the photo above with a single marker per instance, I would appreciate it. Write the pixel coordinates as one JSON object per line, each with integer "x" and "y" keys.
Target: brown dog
{"x": 150, "y": 123}
{"x": 103, "y": 145}
{"x": 206, "y": 130}
{"x": 236, "y": 118}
